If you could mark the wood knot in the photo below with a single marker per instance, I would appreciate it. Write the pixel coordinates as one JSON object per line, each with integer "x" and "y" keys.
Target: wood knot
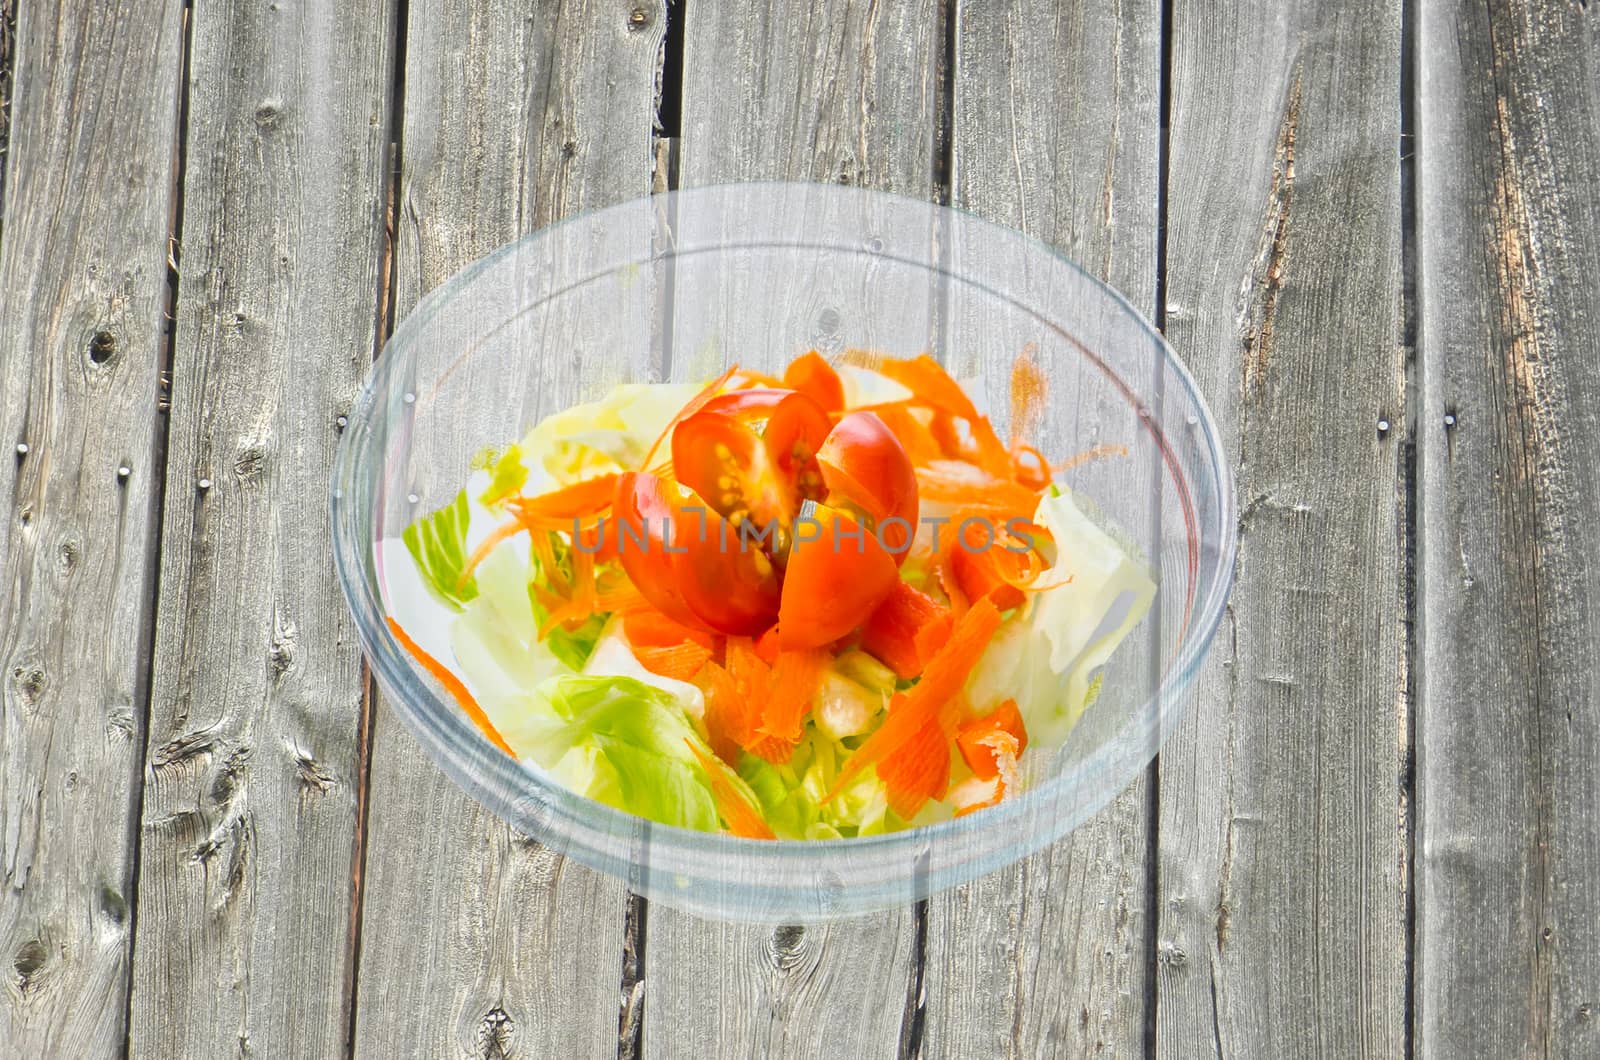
{"x": 638, "y": 19}
{"x": 786, "y": 948}
{"x": 102, "y": 347}
{"x": 28, "y": 684}
{"x": 249, "y": 462}
{"x": 315, "y": 778}
{"x": 30, "y": 964}
{"x": 269, "y": 114}
{"x": 496, "y": 1030}
{"x": 1171, "y": 955}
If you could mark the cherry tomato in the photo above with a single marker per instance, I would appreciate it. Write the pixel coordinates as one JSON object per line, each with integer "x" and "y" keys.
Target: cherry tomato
{"x": 690, "y": 564}
{"x": 836, "y": 576}
{"x": 753, "y": 453}
{"x": 863, "y": 463}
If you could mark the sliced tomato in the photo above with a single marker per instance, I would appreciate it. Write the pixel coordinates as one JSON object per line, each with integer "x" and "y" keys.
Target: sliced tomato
{"x": 988, "y": 569}
{"x": 864, "y": 464}
{"x": 836, "y": 577}
{"x": 690, "y": 565}
{"x": 723, "y": 460}
{"x": 814, "y": 377}
{"x": 906, "y": 629}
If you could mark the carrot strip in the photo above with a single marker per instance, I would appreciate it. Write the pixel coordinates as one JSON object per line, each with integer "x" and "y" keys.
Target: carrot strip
{"x": 919, "y": 769}
{"x": 724, "y": 709}
{"x": 932, "y": 385}
{"x": 615, "y": 594}
{"x": 680, "y": 662}
{"x": 694, "y": 404}
{"x": 979, "y": 740}
{"x": 753, "y": 680}
{"x": 742, "y": 819}
{"x": 452, "y": 684}
{"x": 588, "y": 497}
{"x": 1028, "y": 390}
{"x": 951, "y": 485}
{"x": 795, "y": 677}
{"x": 813, "y": 376}
{"x": 941, "y": 683}
{"x": 481, "y": 553}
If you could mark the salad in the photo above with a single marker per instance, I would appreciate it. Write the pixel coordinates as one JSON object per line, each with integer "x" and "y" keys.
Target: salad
{"x": 825, "y": 605}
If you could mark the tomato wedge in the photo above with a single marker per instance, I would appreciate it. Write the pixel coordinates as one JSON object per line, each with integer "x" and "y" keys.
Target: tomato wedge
{"x": 753, "y": 453}
{"x": 836, "y": 576}
{"x": 864, "y": 464}
{"x": 688, "y": 563}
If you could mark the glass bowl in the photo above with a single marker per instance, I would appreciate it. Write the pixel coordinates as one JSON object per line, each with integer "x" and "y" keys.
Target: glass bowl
{"x": 676, "y": 287}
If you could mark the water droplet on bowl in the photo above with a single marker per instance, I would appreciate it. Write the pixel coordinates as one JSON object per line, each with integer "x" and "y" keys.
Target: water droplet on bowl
{"x": 410, "y": 397}
{"x": 413, "y": 498}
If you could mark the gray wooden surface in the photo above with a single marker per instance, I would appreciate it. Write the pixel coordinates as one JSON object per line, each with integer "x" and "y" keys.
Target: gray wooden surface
{"x": 217, "y": 842}
{"x": 1508, "y": 738}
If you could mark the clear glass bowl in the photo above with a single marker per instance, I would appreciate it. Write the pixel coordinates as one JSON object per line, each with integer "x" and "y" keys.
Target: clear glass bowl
{"x": 678, "y": 286}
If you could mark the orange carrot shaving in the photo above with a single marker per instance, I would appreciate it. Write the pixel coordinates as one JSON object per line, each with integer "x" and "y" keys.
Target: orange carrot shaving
{"x": 452, "y": 684}
{"x": 795, "y": 677}
{"x": 814, "y": 377}
{"x": 767, "y": 646}
{"x": 694, "y": 404}
{"x": 680, "y": 662}
{"x": 941, "y": 683}
{"x": 725, "y": 710}
{"x": 742, "y": 819}
{"x": 615, "y": 594}
{"x": 1099, "y": 452}
{"x": 949, "y": 482}
{"x": 479, "y": 554}
{"x": 753, "y": 679}
{"x": 982, "y": 741}
{"x": 556, "y": 510}
{"x": 919, "y": 769}
{"x": 1028, "y": 390}
{"x": 930, "y": 383}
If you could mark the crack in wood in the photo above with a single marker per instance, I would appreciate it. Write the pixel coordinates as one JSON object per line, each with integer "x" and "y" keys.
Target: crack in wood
{"x": 1264, "y": 285}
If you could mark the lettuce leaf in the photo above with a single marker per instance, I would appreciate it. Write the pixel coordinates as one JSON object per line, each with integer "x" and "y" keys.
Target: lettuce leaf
{"x": 438, "y": 546}
{"x": 507, "y": 474}
{"x": 608, "y": 435}
{"x": 635, "y": 740}
{"x": 1048, "y": 657}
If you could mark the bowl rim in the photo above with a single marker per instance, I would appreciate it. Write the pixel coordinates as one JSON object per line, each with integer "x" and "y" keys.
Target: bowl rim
{"x": 462, "y": 751}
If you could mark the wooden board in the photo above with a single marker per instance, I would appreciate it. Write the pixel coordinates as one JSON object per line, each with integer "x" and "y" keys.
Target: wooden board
{"x": 829, "y": 92}
{"x": 1282, "y": 849}
{"x": 476, "y": 941}
{"x": 256, "y": 761}
{"x": 1050, "y": 956}
{"x": 83, "y": 292}
{"x": 1508, "y": 818}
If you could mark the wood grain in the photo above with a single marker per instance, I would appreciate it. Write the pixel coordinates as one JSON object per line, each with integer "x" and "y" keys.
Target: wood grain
{"x": 830, "y": 92}
{"x": 83, "y": 290}
{"x": 255, "y": 760}
{"x": 1282, "y": 890}
{"x": 1508, "y": 820}
{"x": 1049, "y": 956}
{"x": 477, "y": 941}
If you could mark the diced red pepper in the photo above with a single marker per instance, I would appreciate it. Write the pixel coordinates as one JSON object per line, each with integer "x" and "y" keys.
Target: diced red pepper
{"x": 906, "y": 629}
{"x": 975, "y": 740}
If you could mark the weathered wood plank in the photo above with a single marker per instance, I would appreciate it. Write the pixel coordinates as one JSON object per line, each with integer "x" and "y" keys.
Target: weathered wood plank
{"x": 83, "y": 288}
{"x": 1049, "y": 956}
{"x": 829, "y": 92}
{"x": 255, "y": 759}
{"x": 1508, "y": 825}
{"x": 475, "y": 940}
{"x": 1282, "y": 839}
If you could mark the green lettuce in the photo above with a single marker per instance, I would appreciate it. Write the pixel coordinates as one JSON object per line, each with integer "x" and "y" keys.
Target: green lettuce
{"x": 622, "y": 742}
{"x": 507, "y": 474}
{"x": 438, "y": 546}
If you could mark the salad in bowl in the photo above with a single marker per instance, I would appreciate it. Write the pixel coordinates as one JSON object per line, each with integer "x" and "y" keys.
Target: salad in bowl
{"x": 826, "y": 604}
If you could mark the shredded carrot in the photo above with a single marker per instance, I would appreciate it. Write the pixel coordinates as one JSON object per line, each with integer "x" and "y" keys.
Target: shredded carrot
{"x": 795, "y": 677}
{"x": 915, "y": 436}
{"x": 940, "y": 685}
{"x": 932, "y": 385}
{"x": 452, "y": 684}
{"x": 615, "y": 594}
{"x": 983, "y": 493}
{"x": 814, "y": 377}
{"x": 694, "y": 404}
{"x": 767, "y": 646}
{"x": 481, "y": 553}
{"x": 680, "y": 662}
{"x": 724, "y": 710}
{"x": 1028, "y": 389}
{"x": 919, "y": 769}
{"x": 1099, "y": 452}
{"x": 978, "y": 743}
{"x": 742, "y": 819}
{"x": 753, "y": 680}
{"x": 557, "y": 509}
